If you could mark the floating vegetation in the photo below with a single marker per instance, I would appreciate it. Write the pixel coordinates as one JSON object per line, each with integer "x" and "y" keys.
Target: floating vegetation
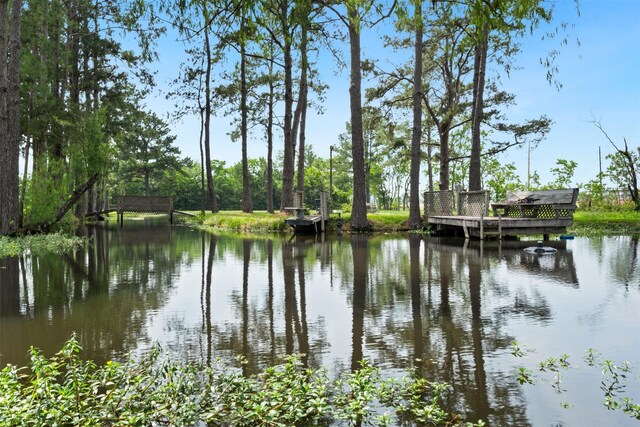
{"x": 39, "y": 244}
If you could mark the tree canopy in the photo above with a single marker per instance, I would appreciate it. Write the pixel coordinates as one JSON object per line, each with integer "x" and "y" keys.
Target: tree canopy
{"x": 75, "y": 105}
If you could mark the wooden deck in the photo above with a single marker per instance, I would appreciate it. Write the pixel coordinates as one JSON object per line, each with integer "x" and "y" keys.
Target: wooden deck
{"x": 483, "y": 227}
{"x": 306, "y": 223}
{"x": 534, "y": 213}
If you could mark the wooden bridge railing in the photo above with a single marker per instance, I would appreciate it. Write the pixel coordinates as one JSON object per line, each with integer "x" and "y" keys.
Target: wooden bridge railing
{"x": 145, "y": 204}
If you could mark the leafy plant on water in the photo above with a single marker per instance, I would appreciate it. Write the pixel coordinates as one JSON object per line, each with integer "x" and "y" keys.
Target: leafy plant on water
{"x": 613, "y": 382}
{"x": 66, "y": 390}
{"x": 418, "y": 401}
{"x": 356, "y": 393}
{"x": 519, "y": 350}
{"x": 555, "y": 365}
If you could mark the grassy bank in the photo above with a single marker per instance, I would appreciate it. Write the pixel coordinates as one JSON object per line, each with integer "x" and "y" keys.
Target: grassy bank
{"x": 261, "y": 221}
{"x": 585, "y": 222}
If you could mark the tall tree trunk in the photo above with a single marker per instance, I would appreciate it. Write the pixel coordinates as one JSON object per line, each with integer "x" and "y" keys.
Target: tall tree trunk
{"x": 247, "y": 204}
{"x": 9, "y": 116}
{"x": 270, "y": 208}
{"x": 429, "y": 154}
{"x": 359, "y": 206}
{"x": 202, "y": 161}
{"x": 479, "y": 68}
{"x": 302, "y": 104}
{"x": 288, "y": 162}
{"x": 416, "y": 136}
{"x": 213, "y": 203}
{"x": 443, "y": 130}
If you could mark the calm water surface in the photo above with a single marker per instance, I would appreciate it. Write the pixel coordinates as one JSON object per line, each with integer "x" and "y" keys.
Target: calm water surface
{"x": 453, "y": 310}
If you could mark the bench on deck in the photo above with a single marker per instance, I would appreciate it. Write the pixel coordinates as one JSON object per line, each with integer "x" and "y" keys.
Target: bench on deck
{"x": 539, "y": 204}
{"x": 298, "y": 209}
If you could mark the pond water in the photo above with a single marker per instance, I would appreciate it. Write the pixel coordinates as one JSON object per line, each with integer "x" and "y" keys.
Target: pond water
{"x": 449, "y": 308}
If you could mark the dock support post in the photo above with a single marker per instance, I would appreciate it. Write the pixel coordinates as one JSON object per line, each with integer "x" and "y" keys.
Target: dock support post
{"x": 499, "y": 227}
{"x": 465, "y": 229}
{"x": 481, "y": 228}
{"x": 545, "y": 237}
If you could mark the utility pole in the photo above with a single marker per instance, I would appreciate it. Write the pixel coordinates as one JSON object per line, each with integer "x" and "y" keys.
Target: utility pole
{"x": 529, "y": 166}
{"x": 600, "y": 163}
{"x": 330, "y": 171}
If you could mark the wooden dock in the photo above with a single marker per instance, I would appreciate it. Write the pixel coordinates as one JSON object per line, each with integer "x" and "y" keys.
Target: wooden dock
{"x": 531, "y": 213}
{"x": 483, "y": 227}
{"x": 303, "y": 223}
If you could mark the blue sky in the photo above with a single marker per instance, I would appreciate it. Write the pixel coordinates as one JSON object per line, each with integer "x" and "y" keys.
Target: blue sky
{"x": 600, "y": 79}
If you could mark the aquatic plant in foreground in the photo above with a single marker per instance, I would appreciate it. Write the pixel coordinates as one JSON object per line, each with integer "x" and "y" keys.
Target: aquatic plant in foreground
{"x": 66, "y": 390}
{"x": 614, "y": 377}
{"x": 40, "y": 244}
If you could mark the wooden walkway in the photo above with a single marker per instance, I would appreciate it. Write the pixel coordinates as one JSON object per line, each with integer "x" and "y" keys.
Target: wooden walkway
{"x": 302, "y": 223}
{"x": 141, "y": 204}
{"x": 532, "y": 213}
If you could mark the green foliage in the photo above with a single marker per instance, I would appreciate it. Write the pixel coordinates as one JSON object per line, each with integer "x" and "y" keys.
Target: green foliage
{"x": 624, "y": 170}
{"x": 39, "y": 244}
{"x": 592, "y": 193}
{"x": 45, "y": 192}
{"x": 563, "y": 173}
{"x": 500, "y": 178}
{"x": 66, "y": 390}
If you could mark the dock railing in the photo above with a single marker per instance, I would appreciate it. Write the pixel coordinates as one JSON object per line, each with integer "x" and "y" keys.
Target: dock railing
{"x": 438, "y": 203}
{"x": 540, "y": 204}
{"x": 473, "y": 203}
{"x": 460, "y": 203}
